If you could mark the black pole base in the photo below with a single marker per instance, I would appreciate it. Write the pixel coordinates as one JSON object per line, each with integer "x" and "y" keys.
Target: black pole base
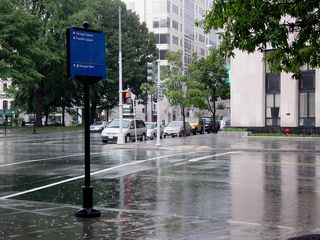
{"x": 87, "y": 213}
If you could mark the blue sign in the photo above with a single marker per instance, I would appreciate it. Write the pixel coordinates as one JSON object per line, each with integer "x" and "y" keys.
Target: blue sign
{"x": 86, "y": 54}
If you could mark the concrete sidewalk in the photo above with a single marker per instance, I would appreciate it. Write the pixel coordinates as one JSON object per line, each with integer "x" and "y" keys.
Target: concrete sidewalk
{"x": 34, "y": 220}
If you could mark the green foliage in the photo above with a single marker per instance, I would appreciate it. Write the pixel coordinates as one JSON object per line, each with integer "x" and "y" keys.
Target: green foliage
{"x": 175, "y": 83}
{"x": 234, "y": 129}
{"x": 33, "y": 51}
{"x": 209, "y": 77}
{"x": 291, "y": 28}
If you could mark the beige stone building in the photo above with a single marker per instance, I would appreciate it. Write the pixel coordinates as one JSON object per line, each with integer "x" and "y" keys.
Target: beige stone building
{"x": 264, "y": 100}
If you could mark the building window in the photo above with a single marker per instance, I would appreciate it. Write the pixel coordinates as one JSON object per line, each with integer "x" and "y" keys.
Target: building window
{"x": 272, "y": 99}
{"x": 163, "y": 54}
{"x": 162, "y": 38}
{"x": 161, "y": 23}
{"x": 175, "y": 24}
{"x": 5, "y": 105}
{"x": 202, "y": 38}
{"x": 175, "y": 40}
{"x": 202, "y": 52}
{"x": 5, "y": 86}
{"x": 175, "y": 9}
{"x": 165, "y": 23}
{"x": 307, "y": 99}
{"x": 272, "y": 95}
{"x": 156, "y": 24}
{"x": 272, "y": 109}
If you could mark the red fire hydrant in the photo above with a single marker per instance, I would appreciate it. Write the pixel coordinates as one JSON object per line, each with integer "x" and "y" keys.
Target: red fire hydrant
{"x": 287, "y": 131}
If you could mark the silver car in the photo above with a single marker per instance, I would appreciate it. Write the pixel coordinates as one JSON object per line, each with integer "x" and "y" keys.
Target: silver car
{"x": 152, "y": 130}
{"x": 98, "y": 126}
{"x": 130, "y": 128}
{"x": 175, "y": 128}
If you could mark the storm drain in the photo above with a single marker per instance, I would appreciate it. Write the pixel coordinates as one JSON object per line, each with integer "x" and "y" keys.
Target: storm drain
{"x": 307, "y": 237}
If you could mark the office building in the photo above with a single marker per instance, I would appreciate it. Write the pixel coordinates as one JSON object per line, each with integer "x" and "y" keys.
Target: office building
{"x": 266, "y": 101}
{"x": 173, "y": 23}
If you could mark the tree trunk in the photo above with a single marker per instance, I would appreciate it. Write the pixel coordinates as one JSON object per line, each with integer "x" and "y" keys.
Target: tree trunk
{"x": 107, "y": 113}
{"x": 38, "y": 107}
{"x": 184, "y": 121}
{"x": 46, "y": 116}
{"x": 146, "y": 112}
{"x": 63, "y": 115}
{"x": 214, "y": 111}
{"x": 93, "y": 111}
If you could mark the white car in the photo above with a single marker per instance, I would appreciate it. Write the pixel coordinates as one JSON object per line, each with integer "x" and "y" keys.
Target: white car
{"x": 98, "y": 126}
{"x": 175, "y": 128}
{"x": 225, "y": 122}
{"x": 152, "y": 130}
{"x": 129, "y": 127}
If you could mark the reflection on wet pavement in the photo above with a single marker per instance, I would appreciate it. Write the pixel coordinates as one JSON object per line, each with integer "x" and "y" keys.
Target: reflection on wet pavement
{"x": 202, "y": 187}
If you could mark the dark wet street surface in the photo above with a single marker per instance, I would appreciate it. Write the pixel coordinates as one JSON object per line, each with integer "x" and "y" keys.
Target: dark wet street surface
{"x": 199, "y": 187}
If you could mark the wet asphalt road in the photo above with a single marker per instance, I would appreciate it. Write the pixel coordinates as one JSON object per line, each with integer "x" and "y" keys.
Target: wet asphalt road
{"x": 199, "y": 187}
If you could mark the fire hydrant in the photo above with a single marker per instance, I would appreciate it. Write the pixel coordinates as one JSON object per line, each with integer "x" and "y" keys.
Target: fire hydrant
{"x": 287, "y": 131}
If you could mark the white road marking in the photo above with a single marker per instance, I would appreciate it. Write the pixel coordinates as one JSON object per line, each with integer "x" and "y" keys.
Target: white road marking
{"x": 94, "y": 173}
{"x": 258, "y": 224}
{"x": 210, "y": 156}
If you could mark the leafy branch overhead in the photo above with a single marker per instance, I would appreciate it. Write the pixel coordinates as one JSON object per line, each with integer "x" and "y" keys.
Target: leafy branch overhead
{"x": 290, "y": 28}
{"x": 33, "y": 51}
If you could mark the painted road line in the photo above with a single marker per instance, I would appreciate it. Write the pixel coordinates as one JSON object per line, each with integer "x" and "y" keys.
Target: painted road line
{"x": 211, "y": 156}
{"x": 92, "y": 174}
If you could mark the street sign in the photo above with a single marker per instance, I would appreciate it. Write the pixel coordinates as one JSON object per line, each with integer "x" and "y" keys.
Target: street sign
{"x": 86, "y": 54}
{"x": 7, "y": 112}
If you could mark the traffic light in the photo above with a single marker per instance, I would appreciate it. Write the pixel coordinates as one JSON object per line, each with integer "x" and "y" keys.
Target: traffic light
{"x": 126, "y": 96}
{"x": 150, "y": 72}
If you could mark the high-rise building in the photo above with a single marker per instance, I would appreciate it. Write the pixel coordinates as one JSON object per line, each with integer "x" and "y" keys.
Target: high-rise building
{"x": 173, "y": 23}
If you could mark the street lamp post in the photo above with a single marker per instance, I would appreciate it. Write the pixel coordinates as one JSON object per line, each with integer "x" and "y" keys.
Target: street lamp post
{"x": 158, "y": 105}
{"x": 120, "y": 139}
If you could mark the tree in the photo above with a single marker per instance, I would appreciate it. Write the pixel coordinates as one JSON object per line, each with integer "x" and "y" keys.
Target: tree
{"x": 20, "y": 34}
{"x": 147, "y": 89}
{"x": 291, "y": 28}
{"x": 32, "y": 52}
{"x": 182, "y": 90}
{"x": 212, "y": 73}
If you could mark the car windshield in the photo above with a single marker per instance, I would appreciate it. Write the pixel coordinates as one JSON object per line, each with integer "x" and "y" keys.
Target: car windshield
{"x": 151, "y": 125}
{"x": 226, "y": 118}
{"x": 174, "y": 124}
{"x": 207, "y": 119}
{"x": 192, "y": 120}
{"x": 115, "y": 123}
{"x": 97, "y": 123}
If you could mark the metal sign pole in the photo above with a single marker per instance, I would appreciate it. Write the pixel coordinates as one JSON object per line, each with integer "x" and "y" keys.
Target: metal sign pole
{"x": 87, "y": 190}
{"x": 82, "y": 69}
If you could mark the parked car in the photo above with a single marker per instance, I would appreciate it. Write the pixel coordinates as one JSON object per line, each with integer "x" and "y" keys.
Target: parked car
{"x": 152, "y": 130}
{"x": 175, "y": 128}
{"x": 209, "y": 124}
{"x": 129, "y": 127}
{"x": 225, "y": 122}
{"x": 98, "y": 126}
{"x": 196, "y": 123}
